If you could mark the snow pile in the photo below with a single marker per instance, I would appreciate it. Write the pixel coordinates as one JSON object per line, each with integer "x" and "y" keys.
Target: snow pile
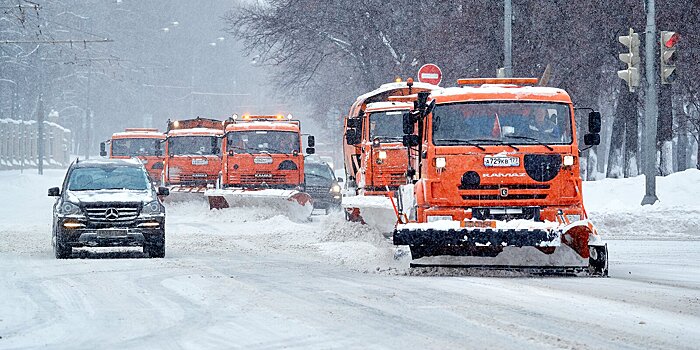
{"x": 614, "y": 206}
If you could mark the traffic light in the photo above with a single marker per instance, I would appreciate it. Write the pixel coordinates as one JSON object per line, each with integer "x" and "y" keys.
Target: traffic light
{"x": 631, "y": 58}
{"x": 668, "y": 56}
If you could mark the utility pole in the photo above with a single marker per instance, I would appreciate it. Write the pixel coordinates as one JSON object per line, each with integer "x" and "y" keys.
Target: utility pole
{"x": 651, "y": 108}
{"x": 41, "y": 143}
{"x": 507, "y": 39}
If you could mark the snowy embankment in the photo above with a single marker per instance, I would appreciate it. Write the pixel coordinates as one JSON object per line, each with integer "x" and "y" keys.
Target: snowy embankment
{"x": 615, "y": 207}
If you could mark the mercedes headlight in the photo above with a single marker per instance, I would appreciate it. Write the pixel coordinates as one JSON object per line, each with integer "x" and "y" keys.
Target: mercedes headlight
{"x": 335, "y": 188}
{"x": 151, "y": 208}
{"x": 68, "y": 208}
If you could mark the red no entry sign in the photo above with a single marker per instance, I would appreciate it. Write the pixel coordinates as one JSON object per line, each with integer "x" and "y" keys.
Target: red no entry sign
{"x": 430, "y": 73}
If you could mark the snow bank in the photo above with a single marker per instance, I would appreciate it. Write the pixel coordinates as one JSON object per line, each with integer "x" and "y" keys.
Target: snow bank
{"x": 614, "y": 205}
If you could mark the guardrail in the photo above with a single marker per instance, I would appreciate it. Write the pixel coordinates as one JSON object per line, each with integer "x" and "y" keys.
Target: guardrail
{"x": 19, "y": 144}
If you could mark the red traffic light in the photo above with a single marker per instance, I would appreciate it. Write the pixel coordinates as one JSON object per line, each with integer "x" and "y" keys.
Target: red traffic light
{"x": 672, "y": 41}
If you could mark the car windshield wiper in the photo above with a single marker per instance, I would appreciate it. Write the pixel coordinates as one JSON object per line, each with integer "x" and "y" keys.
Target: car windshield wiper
{"x": 260, "y": 151}
{"x": 521, "y": 137}
{"x": 468, "y": 142}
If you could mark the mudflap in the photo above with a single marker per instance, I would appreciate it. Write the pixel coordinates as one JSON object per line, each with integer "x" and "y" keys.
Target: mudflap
{"x": 294, "y": 204}
{"x": 583, "y": 237}
{"x": 598, "y": 260}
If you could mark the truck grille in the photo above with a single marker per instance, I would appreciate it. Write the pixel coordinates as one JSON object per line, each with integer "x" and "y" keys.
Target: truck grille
{"x": 317, "y": 190}
{"x": 198, "y": 177}
{"x": 495, "y": 197}
{"x": 389, "y": 179}
{"x": 110, "y": 214}
{"x": 259, "y": 178}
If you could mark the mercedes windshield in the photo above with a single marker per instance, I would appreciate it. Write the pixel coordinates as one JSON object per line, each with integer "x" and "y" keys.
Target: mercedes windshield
{"x": 497, "y": 122}
{"x": 108, "y": 178}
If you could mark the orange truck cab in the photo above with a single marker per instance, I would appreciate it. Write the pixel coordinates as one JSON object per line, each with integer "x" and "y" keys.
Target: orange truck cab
{"x": 262, "y": 151}
{"x": 193, "y": 154}
{"x": 361, "y": 130}
{"x": 383, "y": 162}
{"x": 143, "y": 143}
{"x": 495, "y": 164}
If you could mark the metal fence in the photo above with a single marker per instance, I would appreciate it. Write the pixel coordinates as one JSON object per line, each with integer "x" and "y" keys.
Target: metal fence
{"x": 19, "y": 143}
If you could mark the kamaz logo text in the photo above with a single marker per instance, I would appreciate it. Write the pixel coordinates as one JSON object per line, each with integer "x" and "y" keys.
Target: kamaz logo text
{"x": 505, "y": 175}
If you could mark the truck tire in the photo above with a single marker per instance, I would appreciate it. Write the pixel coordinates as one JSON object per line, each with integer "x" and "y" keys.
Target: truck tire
{"x": 155, "y": 247}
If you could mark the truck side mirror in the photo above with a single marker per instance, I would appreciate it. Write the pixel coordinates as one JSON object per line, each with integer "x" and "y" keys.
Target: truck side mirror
{"x": 408, "y": 124}
{"x": 591, "y": 139}
{"x": 594, "y": 122}
{"x": 163, "y": 191}
{"x": 103, "y": 149}
{"x": 410, "y": 140}
{"x": 352, "y": 137}
{"x": 311, "y": 141}
{"x": 353, "y": 123}
{"x": 310, "y": 150}
{"x": 54, "y": 192}
{"x": 159, "y": 151}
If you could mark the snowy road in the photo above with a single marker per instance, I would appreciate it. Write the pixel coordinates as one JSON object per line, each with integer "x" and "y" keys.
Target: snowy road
{"x": 256, "y": 281}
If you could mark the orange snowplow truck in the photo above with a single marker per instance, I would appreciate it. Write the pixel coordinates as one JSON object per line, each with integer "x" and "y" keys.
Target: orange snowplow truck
{"x": 375, "y": 160}
{"x": 494, "y": 179}
{"x": 192, "y": 154}
{"x": 263, "y": 163}
{"x": 143, "y": 143}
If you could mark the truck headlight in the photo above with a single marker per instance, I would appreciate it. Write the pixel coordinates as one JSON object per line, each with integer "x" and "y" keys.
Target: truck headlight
{"x": 382, "y": 155}
{"x": 68, "y": 208}
{"x": 440, "y": 162}
{"x": 568, "y": 160}
{"x": 151, "y": 208}
{"x": 335, "y": 189}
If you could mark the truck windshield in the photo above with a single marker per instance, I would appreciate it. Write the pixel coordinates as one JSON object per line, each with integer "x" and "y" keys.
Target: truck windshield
{"x": 498, "y": 122}
{"x": 108, "y": 178}
{"x": 193, "y": 145}
{"x": 388, "y": 126}
{"x": 263, "y": 141}
{"x": 132, "y": 147}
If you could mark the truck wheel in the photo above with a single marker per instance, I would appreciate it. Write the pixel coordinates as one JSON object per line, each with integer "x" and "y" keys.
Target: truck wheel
{"x": 60, "y": 249}
{"x": 155, "y": 247}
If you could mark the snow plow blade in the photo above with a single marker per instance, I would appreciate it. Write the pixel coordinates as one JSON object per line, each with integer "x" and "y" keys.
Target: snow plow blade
{"x": 292, "y": 203}
{"x": 375, "y": 211}
{"x": 486, "y": 237}
{"x": 538, "y": 248}
{"x": 185, "y": 194}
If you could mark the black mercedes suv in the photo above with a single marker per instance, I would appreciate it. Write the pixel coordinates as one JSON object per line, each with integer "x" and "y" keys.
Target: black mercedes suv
{"x": 108, "y": 203}
{"x": 322, "y": 185}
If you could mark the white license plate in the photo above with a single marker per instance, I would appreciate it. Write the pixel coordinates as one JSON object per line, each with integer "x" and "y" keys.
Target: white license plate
{"x": 501, "y": 161}
{"x": 262, "y": 160}
{"x": 111, "y": 233}
{"x": 200, "y": 162}
{"x": 263, "y": 175}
